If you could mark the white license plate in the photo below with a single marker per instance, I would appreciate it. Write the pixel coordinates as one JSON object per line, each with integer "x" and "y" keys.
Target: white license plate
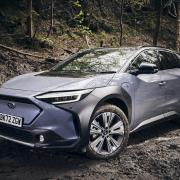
{"x": 12, "y": 120}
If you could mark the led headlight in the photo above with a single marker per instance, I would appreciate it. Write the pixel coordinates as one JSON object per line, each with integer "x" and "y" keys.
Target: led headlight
{"x": 64, "y": 97}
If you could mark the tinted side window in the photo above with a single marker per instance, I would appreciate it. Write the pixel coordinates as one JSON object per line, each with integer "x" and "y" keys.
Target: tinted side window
{"x": 148, "y": 56}
{"x": 168, "y": 60}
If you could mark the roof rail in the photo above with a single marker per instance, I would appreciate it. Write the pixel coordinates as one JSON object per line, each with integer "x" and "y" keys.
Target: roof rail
{"x": 153, "y": 46}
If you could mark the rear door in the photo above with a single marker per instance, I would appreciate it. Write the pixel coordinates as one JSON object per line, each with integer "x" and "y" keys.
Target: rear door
{"x": 170, "y": 68}
{"x": 149, "y": 97}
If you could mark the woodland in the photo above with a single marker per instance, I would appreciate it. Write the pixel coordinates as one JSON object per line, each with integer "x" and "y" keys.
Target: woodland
{"x": 37, "y": 34}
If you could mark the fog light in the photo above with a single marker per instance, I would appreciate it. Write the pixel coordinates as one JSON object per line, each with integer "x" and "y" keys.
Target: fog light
{"x": 41, "y": 138}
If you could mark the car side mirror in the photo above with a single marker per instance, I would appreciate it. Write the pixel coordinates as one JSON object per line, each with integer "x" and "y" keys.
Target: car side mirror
{"x": 147, "y": 68}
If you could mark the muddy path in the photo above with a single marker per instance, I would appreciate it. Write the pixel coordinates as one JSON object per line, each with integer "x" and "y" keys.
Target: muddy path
{"x": 153, "y": 153}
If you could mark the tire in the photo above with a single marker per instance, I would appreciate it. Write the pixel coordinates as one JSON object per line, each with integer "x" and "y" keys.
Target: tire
{"x": 109, "y": 126}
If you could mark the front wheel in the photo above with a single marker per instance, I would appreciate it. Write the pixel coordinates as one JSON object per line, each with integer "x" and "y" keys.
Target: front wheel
{"x": 108, "y": 132}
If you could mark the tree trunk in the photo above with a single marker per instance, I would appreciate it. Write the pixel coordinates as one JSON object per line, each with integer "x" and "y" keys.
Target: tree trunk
{"x": 158, "y": 23}
{"x": 52, "y": 18}
{"x": 178, "y": 27}
{"x": 121, "y": 23}
{"x": 29, "y": 19}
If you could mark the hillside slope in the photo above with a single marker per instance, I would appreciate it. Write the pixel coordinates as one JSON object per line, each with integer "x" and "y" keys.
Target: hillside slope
{"x": 82, "y": 24}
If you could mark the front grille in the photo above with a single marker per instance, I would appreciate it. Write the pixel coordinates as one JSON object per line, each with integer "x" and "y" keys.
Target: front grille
{"x": 15, "y": 99}
{"x": 24, "y": 108}
{"x": 17, "y": 134}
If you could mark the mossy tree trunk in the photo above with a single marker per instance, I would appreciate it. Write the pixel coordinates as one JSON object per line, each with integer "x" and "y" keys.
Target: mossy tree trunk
{"x": 121, "y": 23}
{"x": 52, "y": 18}
{"x": 158, "y": 22}
{"x": 29, "y": 19}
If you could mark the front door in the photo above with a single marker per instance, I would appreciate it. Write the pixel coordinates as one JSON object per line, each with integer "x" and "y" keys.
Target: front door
{"x": 149, "y": 93}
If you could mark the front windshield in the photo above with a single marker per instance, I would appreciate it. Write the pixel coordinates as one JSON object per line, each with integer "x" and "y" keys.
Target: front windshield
{"x": 97, "y": 61}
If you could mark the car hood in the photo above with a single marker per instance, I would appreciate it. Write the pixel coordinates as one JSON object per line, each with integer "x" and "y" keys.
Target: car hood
{"x": 35, "y": 82}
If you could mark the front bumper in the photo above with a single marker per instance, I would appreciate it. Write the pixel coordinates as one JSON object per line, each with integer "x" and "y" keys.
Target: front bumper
{"x": 59, "y": 127}
{"x": 32, "y": 138}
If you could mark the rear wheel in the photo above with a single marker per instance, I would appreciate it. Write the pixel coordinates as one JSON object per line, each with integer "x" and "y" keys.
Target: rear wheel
{"x": 109, "y": 132}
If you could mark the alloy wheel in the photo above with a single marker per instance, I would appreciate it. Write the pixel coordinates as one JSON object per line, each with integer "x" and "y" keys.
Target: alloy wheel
{"x": 106, "y": 133}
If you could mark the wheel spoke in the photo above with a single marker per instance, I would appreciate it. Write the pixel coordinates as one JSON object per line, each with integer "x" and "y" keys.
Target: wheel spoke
{"x": 116, "y": 144}
{"x": 100, "y": 145}
{"x": 105, "y": 119}
{"x": 96, "y": 125}
{"x": 119, "y": 131}
{"x": 109, "y": 146}
{"x": 97, "y": 144}
{"x": 111, "y": 117}
{"x": 118, "y": 125}
{"x": 95, "y": 131}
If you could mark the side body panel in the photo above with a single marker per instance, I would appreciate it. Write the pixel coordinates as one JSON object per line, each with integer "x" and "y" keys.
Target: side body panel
{"x": 171, "y": 78}
{"x": 149, "y": 99}
{"x": 146, "y": 94}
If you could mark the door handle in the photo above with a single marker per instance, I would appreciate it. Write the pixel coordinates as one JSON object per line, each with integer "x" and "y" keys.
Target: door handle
{"x": 162, "y": 83}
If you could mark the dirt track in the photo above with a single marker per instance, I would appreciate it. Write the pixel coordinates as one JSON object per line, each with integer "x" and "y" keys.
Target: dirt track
{"x": 153, "y": 153}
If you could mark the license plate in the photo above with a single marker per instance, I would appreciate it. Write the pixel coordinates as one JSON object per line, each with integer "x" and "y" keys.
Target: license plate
{"x": 12, "y": 120}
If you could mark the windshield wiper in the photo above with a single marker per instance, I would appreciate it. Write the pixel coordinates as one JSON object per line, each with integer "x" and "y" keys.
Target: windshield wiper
{"x": 82, "y": 72}
{"x": 107, "y": 72}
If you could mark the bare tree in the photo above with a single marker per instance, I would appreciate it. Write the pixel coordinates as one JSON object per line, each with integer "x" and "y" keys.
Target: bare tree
{"x": 120, "y": 27}
{"x": 158, "y": 22}
{"x": 52, "y": 18}
{"x": 178, "y": 27}
{"x": 121, "y": 23}
{"x": 29, "y": 19}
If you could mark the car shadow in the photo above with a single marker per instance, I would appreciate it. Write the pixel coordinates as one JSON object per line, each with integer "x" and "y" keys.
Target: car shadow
{"x": 155, "y": 131}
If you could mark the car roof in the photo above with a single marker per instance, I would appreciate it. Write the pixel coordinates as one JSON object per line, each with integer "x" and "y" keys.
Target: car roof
{"x": 157, "y": 48}
{"x": 135, "y": 48}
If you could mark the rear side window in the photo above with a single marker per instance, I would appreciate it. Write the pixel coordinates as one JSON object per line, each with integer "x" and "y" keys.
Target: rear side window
{"x": 168, "y": 60}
